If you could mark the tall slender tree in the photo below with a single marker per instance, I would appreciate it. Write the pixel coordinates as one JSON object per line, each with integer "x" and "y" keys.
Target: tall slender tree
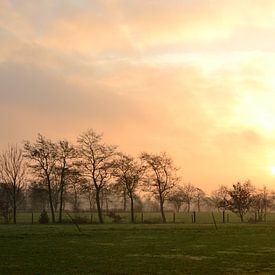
{"x": 13, "y": 174}
{"x": 129, "y": 175}
{"x": 161, "y": 177}
{"x": 65, "y": 155}
{"x": 97, "y": 161}
{"x": 43, "y": 156}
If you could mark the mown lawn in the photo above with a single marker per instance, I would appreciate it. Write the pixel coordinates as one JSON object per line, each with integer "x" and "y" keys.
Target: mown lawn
{"x": 137, "y": 249}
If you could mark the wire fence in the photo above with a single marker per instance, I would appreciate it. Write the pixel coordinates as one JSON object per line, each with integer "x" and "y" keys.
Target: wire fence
{"x": 145, "y": 217}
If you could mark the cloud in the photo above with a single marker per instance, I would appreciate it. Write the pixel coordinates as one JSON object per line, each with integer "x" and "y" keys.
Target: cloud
{"x": 194, "y": 78}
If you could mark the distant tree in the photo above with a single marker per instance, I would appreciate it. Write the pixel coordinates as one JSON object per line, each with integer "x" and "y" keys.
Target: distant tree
{"x": 65, "y": 154}
{"x": 5, "y": 203}
{"x": 219, "y": 198}
{"x": 13, "y": 175}
{"x": 177, "y": 198}
{"x": 43, "y": 156}
{"x": 38, "y": 196}
{"x": 129, "y": 174}
{"x": 76, "y": 185}
{"x": 241, "y": 198}
{"x": 160, "y": 177}
{"x": 260, "y": 203}
{"x": 106, "y": 196}
{"x": 199, "y": 198}
{"x": 97, "y": 160}
{"x": 189, "y": 191}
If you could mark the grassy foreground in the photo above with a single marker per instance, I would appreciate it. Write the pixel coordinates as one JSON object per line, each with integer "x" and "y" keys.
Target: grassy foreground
{"x": 137, "y": 249}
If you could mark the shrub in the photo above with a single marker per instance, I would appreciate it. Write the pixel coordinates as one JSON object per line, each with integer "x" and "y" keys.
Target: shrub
{"x": 115, "y": 217}
{"x": 44, "y": 218}
{"x": 152, "y": 221}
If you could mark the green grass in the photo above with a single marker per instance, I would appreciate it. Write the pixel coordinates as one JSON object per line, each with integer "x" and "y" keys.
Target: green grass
{"x": 137, "y": 249}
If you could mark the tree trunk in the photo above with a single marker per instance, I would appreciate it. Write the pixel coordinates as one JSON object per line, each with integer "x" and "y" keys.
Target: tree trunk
{"x": 199, "y": 205}
{"x": 101, "y": 199}
{"x": 61, "y": 202}
{"x": 90, "y": 200}
{"x": 241, "y": 217}
{"x": 188, "y": 206}
{"x": 132, "y": 209}
{"x": 99, "y": 212}
{"x": 51, "y": 199}
{"x": 14, "y": 204}
{"x": 14, "y": 211}
{"x": 162, "y": 211}
{"x": 124, "y": 200}
{"x": 76, "y": 202}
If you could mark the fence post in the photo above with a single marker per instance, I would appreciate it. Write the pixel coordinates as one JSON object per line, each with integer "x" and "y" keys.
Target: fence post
{"x": 214, "y": 221}
{"x": 32, "y": 217}
{"x": 91, "y": 218}
{"x": 141, "y": 217}
{"x": 227, "y": 217}
{"x": 223, "y": 216}
{"x": 195, "y": 218}
{"x": 174, "y": 217}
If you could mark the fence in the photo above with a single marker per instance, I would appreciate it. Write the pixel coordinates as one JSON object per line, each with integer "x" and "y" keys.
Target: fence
{"x": 147, "y": 217}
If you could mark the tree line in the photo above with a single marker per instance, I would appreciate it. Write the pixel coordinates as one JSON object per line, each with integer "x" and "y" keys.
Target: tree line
{"x": 53, "y": 174}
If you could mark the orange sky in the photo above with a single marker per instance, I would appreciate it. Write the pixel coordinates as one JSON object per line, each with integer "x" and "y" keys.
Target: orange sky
{"x": 193, "y": 78}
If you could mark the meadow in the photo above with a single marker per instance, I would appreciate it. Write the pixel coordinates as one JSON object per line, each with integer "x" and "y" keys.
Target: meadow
{"x": 137, "y": 249}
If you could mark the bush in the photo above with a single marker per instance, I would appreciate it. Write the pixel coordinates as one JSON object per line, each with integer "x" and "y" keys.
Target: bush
{"x": 44, "y": 218}
{"x": 115, "y": 217}
{"x": 152, "y": 221}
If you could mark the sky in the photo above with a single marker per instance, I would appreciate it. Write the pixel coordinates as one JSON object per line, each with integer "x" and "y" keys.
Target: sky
{"x": 194, "y": 78}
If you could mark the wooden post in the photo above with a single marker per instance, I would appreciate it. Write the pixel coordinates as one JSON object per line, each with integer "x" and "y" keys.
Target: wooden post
{"x": 91, "y": 218}
{"x": 32, "y": 217}
{"x": 255, "y": 216}
{"x": 223, "y": 216}
{"x": 227, "y": 218}
{"x": 77, "y": 226}
{"x": 174, "y": 217}
{"x": 141, "y": 217}
{"x": 195, "y": 218}
{"x": 214, "y": 221}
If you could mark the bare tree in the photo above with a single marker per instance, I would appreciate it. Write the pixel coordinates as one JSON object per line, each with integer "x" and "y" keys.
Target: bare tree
{"x": 260, "y": 203}
{"x": 199, "y": 197}
{"x": 76, "y": 185}
{"x": 43, "y": 156}
{"x": 38, "y": 196}
{"x": 219, "y": 198}
{"x": 13, "y": 174}
{"x": 177, "y": 198}
{"x": 5, "y": 203}
{"x": 189, "y": 191}
{"x": 161, "y": 177}
{"x": 65, "y": 155}
{"x": 129, "y": 174}
{"x": 97, "y": 162}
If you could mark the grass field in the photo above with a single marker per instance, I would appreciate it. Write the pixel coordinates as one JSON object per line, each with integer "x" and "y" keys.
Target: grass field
{"x": 137, "y": 249}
